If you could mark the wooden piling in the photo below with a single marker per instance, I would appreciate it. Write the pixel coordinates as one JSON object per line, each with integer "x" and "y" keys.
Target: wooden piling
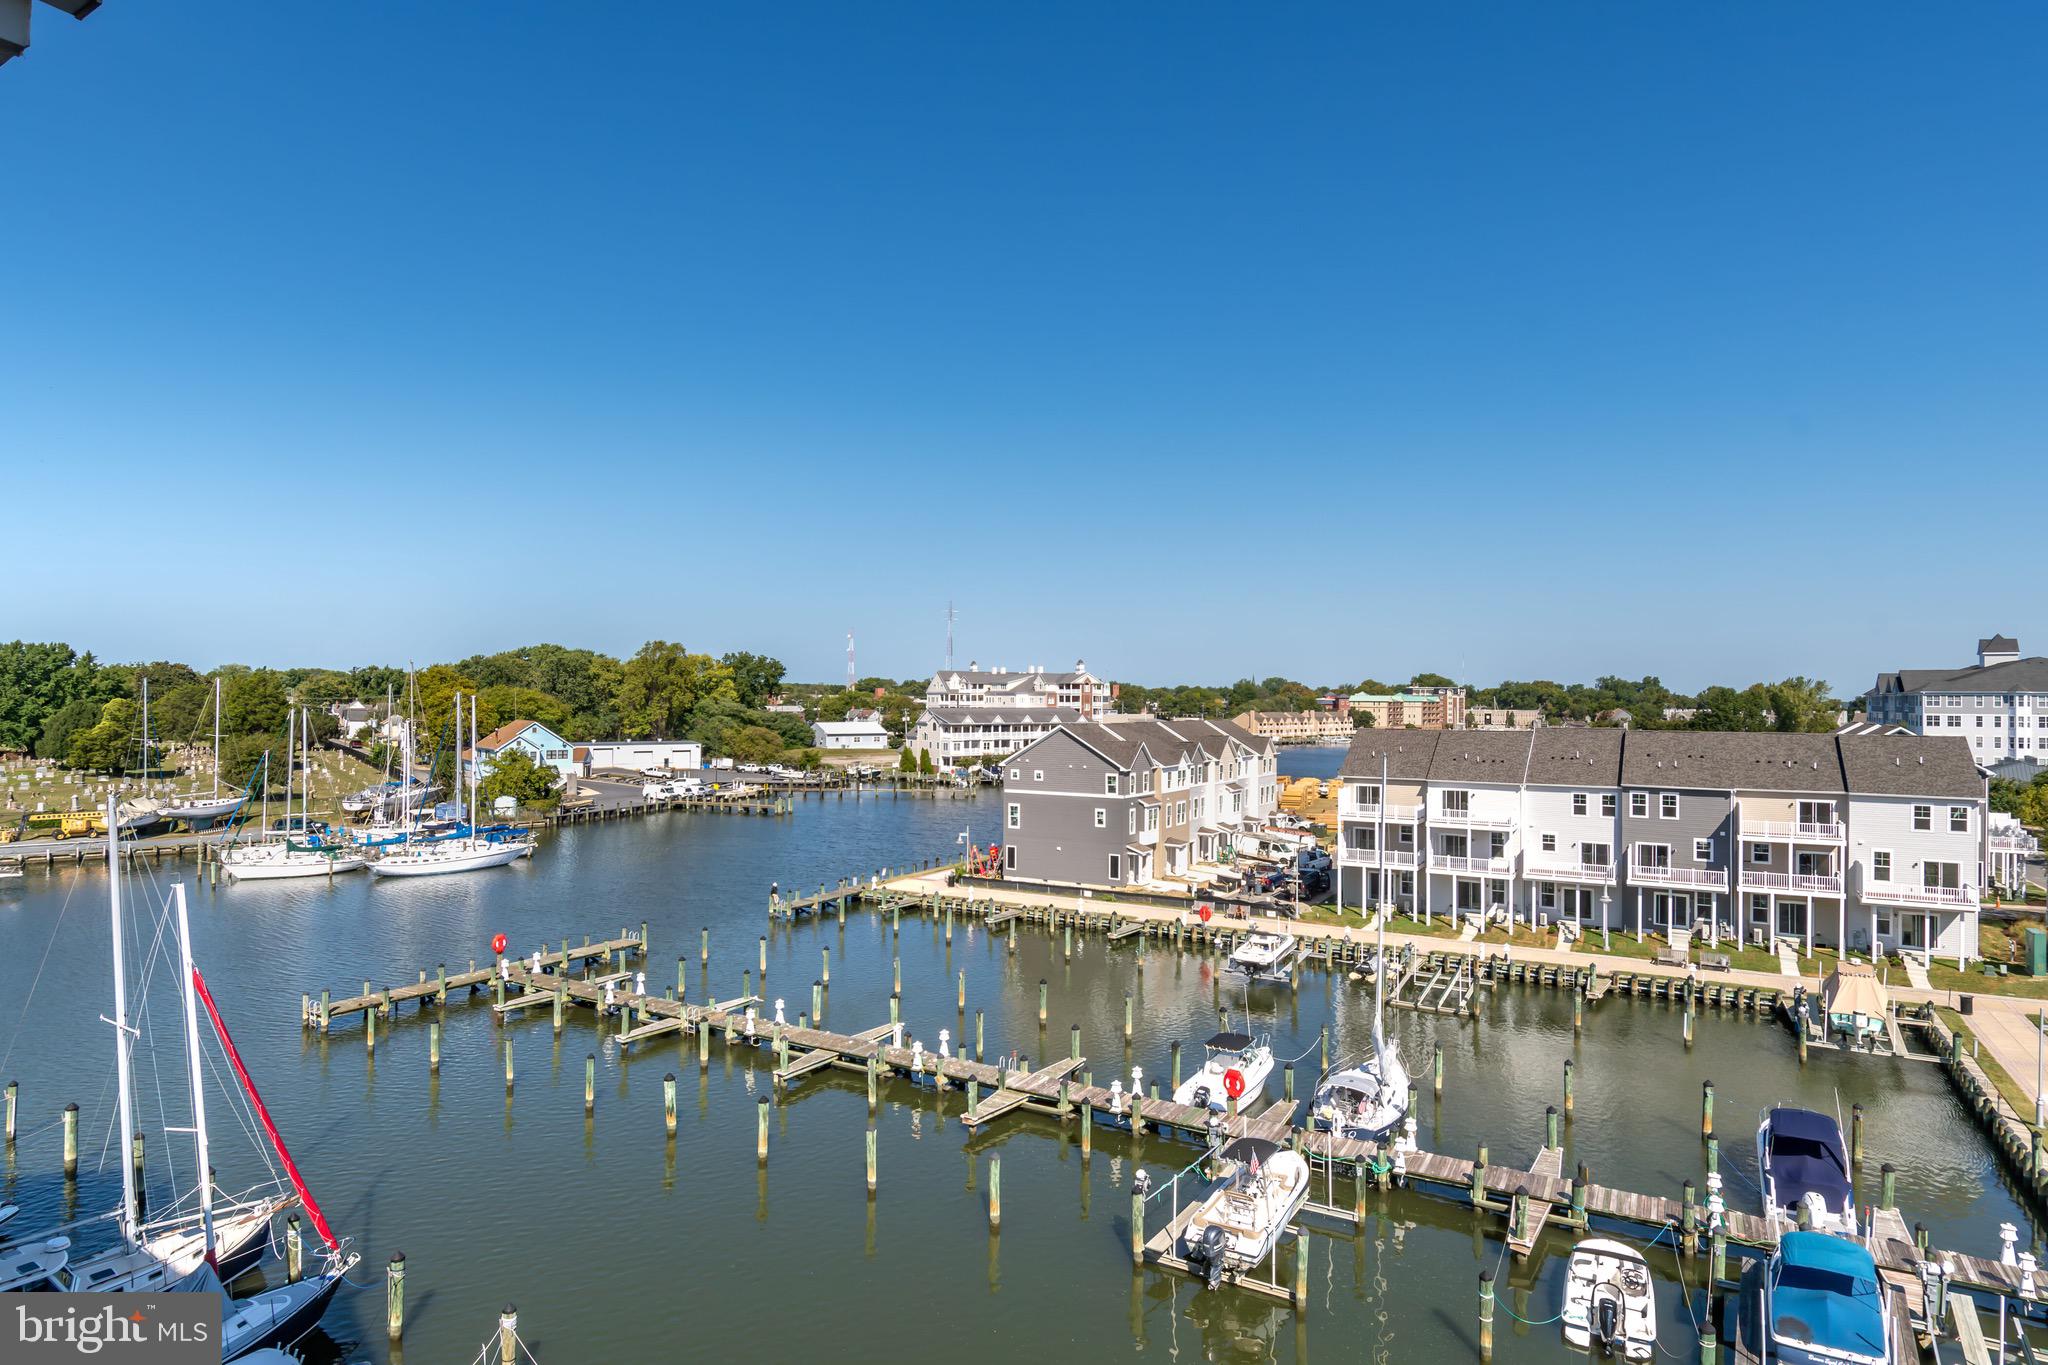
{"x": 1127, "y": 1016}
{"x": 873, "y": 1092}
{"x": 508, "y": 1066}
{"x": 508, "y": 1336}
{"x": 394, "y": 1296}
{"x": 1287, "y": 1082}
{"x": 1074, "y": 1041}
{"x": 71, "y": 1141}
{"x": 1856, "y": 1135}
{"x": 1174, "y": 1053}
{"x": 1087, "y": 1130}
{"x": 896, "y": 974}
{"x": 1567, "y": 1088}
{"x": 433, "y": 1047}
{"x": 589, "y": 1082}
{"x": 825, "y": 965}
{"x": 1041, "y": 1002}
{"x": 1486, "y": 1314}
{"x": 1300, "y": 1273}
{"x": 1550, "y": 1127}
{"x": 761, "y": 1135}
{"x": 995, "y": 1191}
{"x": 817, "y": 1000}
{"x": 1707, "y": 1109}
{"x": 668, "y": 1102}
{"x": 1436, "y": 1068}
{"x": 963, "y": 992}
{"x": 1479, "y": 1176}
{"x": 977, "y": 1036}
{"x": 1070, "y": 942}
{"x": 871, "y": 1156}
{"x": 1887, "y": 1187}
{"x": 294, "y": 1250}
{"x": 764, "y": 962}
{"x": 1137, "y": 1227}
{"x": 13, "y": 1104}
{"x": 1688, "y": 1220}
{"x": 703, "y": 1045}
{"x": 370, "y": 1030}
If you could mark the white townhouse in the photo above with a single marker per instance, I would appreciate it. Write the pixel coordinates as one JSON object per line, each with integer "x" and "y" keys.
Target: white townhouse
{"x": 1474, "y": 821}
{"x": 1380, "y": 827}
{"x": 1571, "y": 812}
{"x": 1916, "y": 843}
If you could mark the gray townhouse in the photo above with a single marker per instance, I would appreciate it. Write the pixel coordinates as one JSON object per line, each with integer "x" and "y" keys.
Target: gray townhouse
{"x": 1677, "y": 816}
{"x": 1123, "y": 801}
{"x": 1380, "y": 817}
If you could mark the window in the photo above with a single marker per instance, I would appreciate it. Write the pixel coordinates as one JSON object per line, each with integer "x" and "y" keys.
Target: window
{"x": 1101, "y": 818}
{"x": 1639, "y": 804}
{"x": 1607, "y": 803}
{"x": 1941, "y": 876}
{"x": 1578, "y": 803}
{"x": 1133, "y": 820}
{"x": 1116, "y": 867}
{"x": 1010, "y": 856}
{"x": 1959, "y": 819}
{"x": 1458, "y": 803}
{"x": 1703, "y": 850}
{"x": 1109, "y": 784}
{"x": 1550, "y": 843}
{"x": 1546, "y": 896}
{"x": 1038, "y": 774}
{"x": 1923, "y": 817}
{"x": 1759, "y": 854}
{"x": 1498, "y": 845}
{"x": 1884, "y": 926}
{"x": 1667, "y": 805}
{"x": 1759, "y": 909}
{"x": 1594, "y": 855}
{"x": 1654, "y": 856}
{"x": 1016, "y": 816}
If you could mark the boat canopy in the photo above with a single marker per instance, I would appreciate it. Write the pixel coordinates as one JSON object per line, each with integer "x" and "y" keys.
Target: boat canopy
{"x": 1806, "y": 1154}
{"x": 1245, "y": 1150}
{"x": 1229, "y": 1042}
{"x": 1824, "y": 1293}
{"x": 1853, "y": 988}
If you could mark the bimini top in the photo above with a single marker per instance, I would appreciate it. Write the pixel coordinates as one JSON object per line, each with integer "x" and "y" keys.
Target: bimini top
{"x": 1823, "y": 1292}
{"x": 1230, "y": 1042}
{"x": 1246, "y": 1150}
{"x": 1806, "y": 1155}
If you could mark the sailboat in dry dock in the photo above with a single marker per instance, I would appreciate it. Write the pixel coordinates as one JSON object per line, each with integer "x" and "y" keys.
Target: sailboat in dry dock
{"x": 200, "y": 811}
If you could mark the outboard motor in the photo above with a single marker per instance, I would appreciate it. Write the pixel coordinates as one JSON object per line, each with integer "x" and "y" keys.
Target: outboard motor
{"x": 1607, "y": 1320}
{"x": 1201, "y": 1097}
{"x": 1209, "y": 1254}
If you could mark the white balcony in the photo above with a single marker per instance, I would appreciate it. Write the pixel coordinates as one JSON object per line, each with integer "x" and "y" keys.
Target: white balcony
{"x": 2015, "y": 843}
{"x": 1471, "y": 819}
{"x": 1372, "y": 857}
{"x": 1595, "y": 874}
{"x": 1789, "y": 831}
{"x": 1799, "y": 883}
{"x": 1451, "y": 862}
{"x": 1906, "y": 893}
{"x": 1645, "y": 874}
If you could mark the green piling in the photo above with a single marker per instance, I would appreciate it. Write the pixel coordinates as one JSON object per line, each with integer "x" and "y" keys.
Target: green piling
{"x": 433, "y": 1046}
{"x": 761, "y": 1132}
{"x": 1707, "y": 1109}
{"x": 1486, "y": 1314}
{"x": 668, "y": 1102}
{"x": 1436, "y": 1068}
{"x": 294, "y": 1250}
{"x": 1567, "y": 1087}
{"x": 394, "y": 1296}
{"x": 589, "y": 1082}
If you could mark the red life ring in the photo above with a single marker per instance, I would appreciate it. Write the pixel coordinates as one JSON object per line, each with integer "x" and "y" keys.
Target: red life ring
{"x": 498, "y": 944}
{"x": 1233, "y": 1083}
{"x": 1205, "y": 912}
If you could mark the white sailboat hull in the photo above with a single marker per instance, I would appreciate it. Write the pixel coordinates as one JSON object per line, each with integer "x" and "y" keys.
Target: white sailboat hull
{"x": 440, "y": 861}
{"x": 211, "y": 808}
{"x": 289, "y": 865}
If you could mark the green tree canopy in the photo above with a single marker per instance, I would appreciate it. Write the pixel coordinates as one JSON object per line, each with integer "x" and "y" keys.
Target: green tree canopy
{"x": 254, "y": 703}
{"x": 515, "y": 774}
{"x": 663, "y": 683}
{"x": 63, "y": 724}
{"x": 755, "y": 677}
{"x": 38, "y": 680}
{"x": 113, "y": 742}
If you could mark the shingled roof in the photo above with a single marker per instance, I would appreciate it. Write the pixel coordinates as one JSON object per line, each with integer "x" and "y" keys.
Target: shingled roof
{"x": 1498, "y": 756}
{"x": 1408, "y": 754}
{"x": 1731, "y": 759}
{"x": 1575, "y": 757}
{"x": 1910, "y": 765}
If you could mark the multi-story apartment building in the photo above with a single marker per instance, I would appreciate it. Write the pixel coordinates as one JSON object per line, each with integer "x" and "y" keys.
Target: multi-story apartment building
{"x": 1119, "y": 803}
{"x": 1296, "y": 727}
{"x": 1837, "y": 840}
{"x": 1421, "y": 708}
{"x": 1999, "y": 708}
{"x": 962, "y": 736}
{"x": 1033, "y": 687}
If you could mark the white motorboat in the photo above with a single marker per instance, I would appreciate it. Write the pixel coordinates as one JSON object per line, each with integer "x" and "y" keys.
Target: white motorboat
{"x": 1366, "y": 1099}
{"x": 1607, "y": 1300}
{"x": 1249, "y": 1059}
{"x": 1263, "y": 956}
{"x": 1238, "y": 1224}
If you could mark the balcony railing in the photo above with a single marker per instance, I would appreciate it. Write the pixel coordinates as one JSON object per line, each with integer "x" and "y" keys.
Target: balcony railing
{"x": 1906, "y": 893}
{"x": 2015, "y": 843}
{"x": 1452, "y": 862}
{"x": 1400, "y": 815}
{"x": 1598, "y": 873}
{"x": 1471, "y": 819}
{"x": 1807, "y": 883}
{"x": 1790, "y": 831}
{"x": 1646, "y": 874}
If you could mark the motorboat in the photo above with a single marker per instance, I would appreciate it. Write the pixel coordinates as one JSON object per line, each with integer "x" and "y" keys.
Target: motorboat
{"x": 1816, "y": 1301}
{"x": 1803, "y": 1169}
{"x": 1608, "y": 1304}
{"x": 1230, "y": 1054}
{"x": 1365, "y": 1099}
{"x": 1238, "y": 1223}
{"x": 1263, "y": 956}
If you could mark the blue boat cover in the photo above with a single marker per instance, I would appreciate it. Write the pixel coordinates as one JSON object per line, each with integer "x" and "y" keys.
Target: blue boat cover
{"x": 1806, "y": 1154}
{"x": 1824, "y": 1292}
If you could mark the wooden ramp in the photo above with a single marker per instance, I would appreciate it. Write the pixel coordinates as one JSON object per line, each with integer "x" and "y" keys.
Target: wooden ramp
{"x": 1126, "y": 929}
{"x": 653, "y": 1028}
{"x": 1962, "y": 1313}
{"x": 1014, "y": 1091}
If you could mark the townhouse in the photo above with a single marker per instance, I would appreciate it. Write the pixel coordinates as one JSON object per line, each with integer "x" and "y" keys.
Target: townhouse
{"x": 1125, "y": 801}
{"x": 1847, "y": 841}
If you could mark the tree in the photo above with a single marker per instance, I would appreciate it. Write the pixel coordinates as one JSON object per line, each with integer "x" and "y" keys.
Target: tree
{"x": 924, "y": 762}
{"x": 755, "y": 677}
{"x": 74, "y": 716}
{"x": 908, "y": 762}
{"x": 502, "y": 704}
{"x": 39, "y": 680}
{"x": 1802, "y": 705}
{"x": 112, "y": 741}
{"x": 182, "y": 713}
{"x": 1363, "y": 720}
{"x": 755, "y": 744}
{"x": 1430, "y": 680}
{"x": 513, "y": 773}
{"x": 254, "y": 703}
{"x": 663, "y": 683}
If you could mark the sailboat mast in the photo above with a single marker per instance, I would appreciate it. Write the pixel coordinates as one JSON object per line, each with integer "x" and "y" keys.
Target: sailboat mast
{"x": 472, "y": 765}
{"x": 216, "y": 736}
{"x": 196, "y": 1072}
{"x": 120, "y": 1023}
{"x": 145, "y": 736}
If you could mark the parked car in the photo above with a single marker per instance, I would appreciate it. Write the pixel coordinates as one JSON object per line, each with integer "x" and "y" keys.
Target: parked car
{"x": 1322, "y": 789}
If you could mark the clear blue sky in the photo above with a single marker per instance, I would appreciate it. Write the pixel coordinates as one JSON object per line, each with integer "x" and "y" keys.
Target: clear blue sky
{"x": 1508, "y": 340}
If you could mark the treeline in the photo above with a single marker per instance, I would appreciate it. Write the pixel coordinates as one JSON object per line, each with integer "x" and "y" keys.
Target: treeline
{"x": 2027, "y": 800}
{"x": 72, "y": 709}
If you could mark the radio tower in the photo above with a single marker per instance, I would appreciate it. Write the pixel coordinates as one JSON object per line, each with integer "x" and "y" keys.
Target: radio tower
{"x": 949, "y": 635}
{"x": 850, "y": 678}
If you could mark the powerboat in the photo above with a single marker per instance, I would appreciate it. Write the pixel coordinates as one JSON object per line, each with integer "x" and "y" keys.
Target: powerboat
{"x": 1262, "y": 956}
{"x": 1607, "y": 1300}
{"x": 1816, "y": 1301}
{"x": 1238, "y": 1223}
{"x": 1803, "y": 1169}
{"x": 1249, "y": 1059}
{"x": 1367, "y": 1099}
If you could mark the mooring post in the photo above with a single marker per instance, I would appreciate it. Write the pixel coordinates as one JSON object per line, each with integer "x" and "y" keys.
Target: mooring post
{"x": 1323, "y": 1042}
{"x": 1689, "y": 1220}
{"x": 1856, "y": 1137}
{"x": 589, "y": 1082}
{"x": 294, "y": 1250}
{"x": 1436, "y": 1068}
{"x": 977, "y": 1035}
{"x": 508, "y": 1066}
{"x": 1087, "y": 1129}
{"x": 1137, "y": 1227}
{"x": 747, "y": 983}
{"x": 825, "y": 964}
{"x": 995, "y": 1191}
{"x": 1799, "y": 1031}
{"x": 896, "y": 974}
{"x": 13, "y": 1103}
{"x": 1479, "y": 1176}
{"x": 682, "y": 977}
{"x": 963, "y": 992}
{"x": 1578, "y": 1012}
{"x": 761, "y": 1133}
{"x": 668, "y": 1102}
{"x": 1070, "y": 941}
{"x": 973, "y": 1094}
{"x": 818, "y": 1002}
{"x": 1174, "y": 1053}
{"x": 704, "y": 947}
{"x": 1287, "y": 1082}
{"x": 326, "y": 1007}
{"x": 1719, "y": 1243}
{"x": 1041, "y": 1002}
{"x": 370, "y": 1029}
{"x": 394, "y": 1296}
{"x": 1300, "y": 1273}
{"x": 1074, "y": 1040}
{"x": 764, "y": 962}
{"x": 508, "y": 1336}
{"x": 1888, "y": 1186}
{"x": 1550, "y": 1127}
{"x": 1567, "y": 1087}
{"x": 895, "y": 1008}
{"x": 1580, "y": 1181}
{"x": 1707, "y": 1109}
{"x": 1127, "y": 1016}
{"x": 1486, "y": 1315}
{"x": 433, "y": 1047}
{"x": 1013, "y": 938}
{"x": 1713, "y": 1158}
{"x": 703, "y": 1044}
{"x": 871, "y": 1155}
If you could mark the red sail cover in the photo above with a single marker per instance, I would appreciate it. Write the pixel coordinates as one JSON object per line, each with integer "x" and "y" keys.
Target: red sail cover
{"x": 263, "y": 1115}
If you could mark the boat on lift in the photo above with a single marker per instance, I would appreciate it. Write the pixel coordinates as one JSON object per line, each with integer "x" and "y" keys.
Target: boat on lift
{"x": 1240, "y": 1221}
{"x": 1263, "y": 956}
{"x": 1816, "y": 1301}
{"x": 1247, "y": 1058}
{"x": 1608, "y": 1303}
{"x": 1803, "y": 1169}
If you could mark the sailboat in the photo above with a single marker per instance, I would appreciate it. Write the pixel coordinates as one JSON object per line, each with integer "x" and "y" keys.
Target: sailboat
{"x": 469, "y": 849}
{"x": 200, "y": 811}
{"x": 287, "y": 859}
{"x": 1366, "y": 1099}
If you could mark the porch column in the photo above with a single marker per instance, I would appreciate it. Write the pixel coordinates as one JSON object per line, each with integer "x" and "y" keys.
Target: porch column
{"x": 1809, "y": 926}
{"x": 1639, "y": 914}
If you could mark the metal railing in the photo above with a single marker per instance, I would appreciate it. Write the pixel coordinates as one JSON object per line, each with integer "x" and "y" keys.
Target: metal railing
{"x": 1828, "y": 832}
{"x": 1647, "y": 874}
{"x": 1808, "y": 882}
{"x": 1906, "y": 893}
{"x": 1563, "y": 871}
{"x": 1453, "y": 862}
{"x": 1472, "y": 819}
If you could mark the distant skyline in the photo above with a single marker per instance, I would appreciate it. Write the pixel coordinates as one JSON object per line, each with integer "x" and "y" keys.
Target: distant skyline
{"x": 1504, "y": 341}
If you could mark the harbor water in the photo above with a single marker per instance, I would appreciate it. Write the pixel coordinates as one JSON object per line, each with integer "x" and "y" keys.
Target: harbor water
{"x": 615, "y": 1242}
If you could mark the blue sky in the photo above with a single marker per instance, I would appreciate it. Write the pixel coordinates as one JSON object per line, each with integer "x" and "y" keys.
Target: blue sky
{"x": 1198, "y": 340}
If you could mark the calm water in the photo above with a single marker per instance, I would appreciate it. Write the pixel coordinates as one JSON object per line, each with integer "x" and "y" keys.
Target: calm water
{"x": 1311, "y": 760}
{"x": 614, "y": 1242}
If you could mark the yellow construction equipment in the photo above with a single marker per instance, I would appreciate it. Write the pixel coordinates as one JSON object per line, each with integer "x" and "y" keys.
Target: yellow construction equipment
{"x": 81, "y": 822}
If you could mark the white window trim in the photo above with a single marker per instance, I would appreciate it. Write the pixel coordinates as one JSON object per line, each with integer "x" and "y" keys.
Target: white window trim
{"x": 1639, "y": 805}
{"x": 1016, "y": 816}
{"x": 1662, "y": 798}
{"x": 1882, "y": 872}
